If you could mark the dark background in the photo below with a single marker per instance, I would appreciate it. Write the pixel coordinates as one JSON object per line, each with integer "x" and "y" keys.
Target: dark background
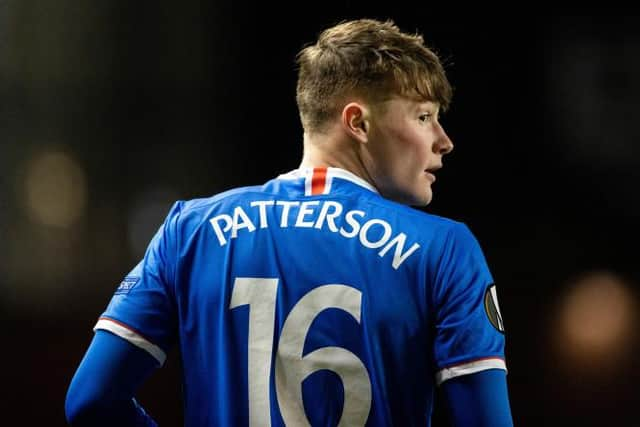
{"x": 110, "y": 111}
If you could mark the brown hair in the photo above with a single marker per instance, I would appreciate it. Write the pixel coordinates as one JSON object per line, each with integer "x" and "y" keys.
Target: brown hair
{"x": 367, "y": 58}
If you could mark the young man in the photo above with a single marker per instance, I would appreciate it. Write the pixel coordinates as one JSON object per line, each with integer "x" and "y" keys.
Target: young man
{"x": 318, "y": 298}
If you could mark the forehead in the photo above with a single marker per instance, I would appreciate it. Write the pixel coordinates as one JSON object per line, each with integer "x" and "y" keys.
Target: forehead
{"x": 409, "y": 105}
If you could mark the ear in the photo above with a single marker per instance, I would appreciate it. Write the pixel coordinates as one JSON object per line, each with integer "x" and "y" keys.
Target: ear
{"x": 355, "y": 121}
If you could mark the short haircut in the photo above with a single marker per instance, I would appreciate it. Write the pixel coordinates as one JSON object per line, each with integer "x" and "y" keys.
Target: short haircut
{"x": 367, "y": 58}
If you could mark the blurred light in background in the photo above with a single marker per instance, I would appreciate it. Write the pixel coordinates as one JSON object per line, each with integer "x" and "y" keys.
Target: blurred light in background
{"x": 44, "y": 245}
{"x": 146, "y": 215}
{"x": 596, "y": 322}
{"x": 55, "y": 189}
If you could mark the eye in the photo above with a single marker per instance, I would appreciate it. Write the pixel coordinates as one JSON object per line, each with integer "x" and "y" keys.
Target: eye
{"x": 426, "y": 117}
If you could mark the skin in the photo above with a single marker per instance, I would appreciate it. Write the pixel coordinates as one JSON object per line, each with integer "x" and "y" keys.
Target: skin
{"x": 396, "y": 145}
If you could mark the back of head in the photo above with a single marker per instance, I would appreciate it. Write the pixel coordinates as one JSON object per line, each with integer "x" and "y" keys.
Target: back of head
{"x": 369, "y": 59}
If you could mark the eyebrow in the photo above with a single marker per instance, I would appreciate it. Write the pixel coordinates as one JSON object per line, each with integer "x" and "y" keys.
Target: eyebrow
{"x": 423, "y": 105}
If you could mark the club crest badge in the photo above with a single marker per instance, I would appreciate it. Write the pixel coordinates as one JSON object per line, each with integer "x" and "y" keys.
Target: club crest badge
{"x": 492, "y": 308}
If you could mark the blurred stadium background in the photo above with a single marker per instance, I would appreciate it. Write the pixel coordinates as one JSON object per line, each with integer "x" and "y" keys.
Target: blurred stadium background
{"x": 110, "y": 111}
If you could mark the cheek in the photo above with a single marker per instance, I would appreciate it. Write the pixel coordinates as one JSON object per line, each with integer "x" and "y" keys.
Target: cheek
{"x": 401, "y": 150}
{"x": 411, "y": 148}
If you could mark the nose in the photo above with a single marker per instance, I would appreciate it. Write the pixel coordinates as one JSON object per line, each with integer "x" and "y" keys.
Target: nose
{"x": 443, "y": 145}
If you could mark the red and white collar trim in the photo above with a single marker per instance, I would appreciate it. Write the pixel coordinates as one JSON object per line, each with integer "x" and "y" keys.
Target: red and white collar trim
{"x": 318, "y": 180}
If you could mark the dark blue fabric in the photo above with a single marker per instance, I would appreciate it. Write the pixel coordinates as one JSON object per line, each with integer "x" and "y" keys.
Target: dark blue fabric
{"x": 101, "y": 392}
{"x": 478, "y": 400}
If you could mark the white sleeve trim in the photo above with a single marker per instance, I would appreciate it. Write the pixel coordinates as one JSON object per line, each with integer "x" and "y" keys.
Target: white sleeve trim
{"x": 133, "y": 337}
{"x": 469, "y": 368}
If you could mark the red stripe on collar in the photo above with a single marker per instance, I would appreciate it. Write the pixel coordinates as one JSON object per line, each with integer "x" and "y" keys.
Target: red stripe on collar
{"x": 318, "y": 181}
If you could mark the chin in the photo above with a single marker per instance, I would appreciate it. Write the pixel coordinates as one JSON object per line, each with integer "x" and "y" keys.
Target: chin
{"x": 424, "y": 201}
{"x": 420, "y": 197}
{"x": 419, "y": 200}
{"x": 423, "y": 198}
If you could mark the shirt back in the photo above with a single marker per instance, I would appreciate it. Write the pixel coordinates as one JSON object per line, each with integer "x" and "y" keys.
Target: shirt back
{"x": 311, "y": 300}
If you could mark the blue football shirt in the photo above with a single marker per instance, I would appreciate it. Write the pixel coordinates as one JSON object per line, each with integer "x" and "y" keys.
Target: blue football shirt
{"x": 311, "y": 300}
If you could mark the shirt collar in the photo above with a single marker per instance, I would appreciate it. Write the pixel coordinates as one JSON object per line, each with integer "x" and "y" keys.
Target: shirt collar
{"x": 330, "y": 173}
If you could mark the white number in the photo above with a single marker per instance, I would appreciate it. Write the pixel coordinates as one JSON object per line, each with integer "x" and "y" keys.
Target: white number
{"x": 260, "y": 294}
{"x": 291, "y": 366}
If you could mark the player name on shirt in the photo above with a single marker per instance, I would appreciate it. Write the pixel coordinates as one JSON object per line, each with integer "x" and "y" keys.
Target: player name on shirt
{"x": 372, "y": 233}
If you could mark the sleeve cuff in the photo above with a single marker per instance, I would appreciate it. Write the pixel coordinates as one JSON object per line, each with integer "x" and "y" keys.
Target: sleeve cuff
{"x": 467, "y": 368}
{"x": 129, "y": 334}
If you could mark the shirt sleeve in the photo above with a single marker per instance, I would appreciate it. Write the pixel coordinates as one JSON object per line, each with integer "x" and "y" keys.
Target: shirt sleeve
{"x": 478, "y": 400}
{"x": 102, "y": 389}
{"x": 469, "y": 332}
{"x": 142, "y": 309}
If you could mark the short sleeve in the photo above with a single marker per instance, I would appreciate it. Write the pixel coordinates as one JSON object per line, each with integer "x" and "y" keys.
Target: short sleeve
{"x": 142, "y": 309}
{"x": 469, "y": 331}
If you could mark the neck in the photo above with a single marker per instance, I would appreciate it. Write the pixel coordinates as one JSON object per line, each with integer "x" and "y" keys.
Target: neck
{"x": 326, "y": 150}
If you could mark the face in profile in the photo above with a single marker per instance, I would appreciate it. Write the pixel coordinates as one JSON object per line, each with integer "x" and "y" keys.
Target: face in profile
{"x": 406, "y": 144}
